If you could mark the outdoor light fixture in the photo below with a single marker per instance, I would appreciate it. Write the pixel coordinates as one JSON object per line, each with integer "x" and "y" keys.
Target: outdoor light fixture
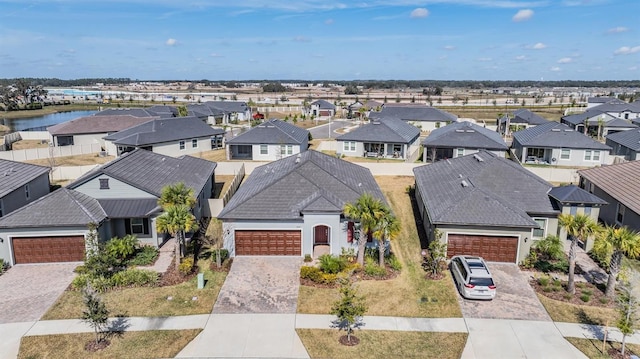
{"x": 526, "y": 239}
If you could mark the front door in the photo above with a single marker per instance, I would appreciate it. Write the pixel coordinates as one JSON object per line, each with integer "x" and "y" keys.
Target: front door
{"x": 321, "y": 235}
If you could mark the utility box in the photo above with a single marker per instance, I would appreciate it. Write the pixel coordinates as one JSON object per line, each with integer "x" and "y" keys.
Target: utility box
{"x": 200, "y": 280}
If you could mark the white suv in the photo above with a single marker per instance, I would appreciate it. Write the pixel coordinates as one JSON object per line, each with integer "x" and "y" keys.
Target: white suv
{"x": 472, "y": 277}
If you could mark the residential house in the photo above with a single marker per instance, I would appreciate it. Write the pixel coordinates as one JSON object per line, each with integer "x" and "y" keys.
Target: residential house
{"x": 120, "y": 197}
{"x": 176, "y": 136}
{"x": 626, "y": 143}
{"x": 390, "y": 138}
{"x": 599, "y": 100}
{"x": 574, "y": 200}
{"x": 155, "y": 111}
{"x": 519, "y": 120}
{"x": 21, "y": 184}
{"x": 354, "y": 110}
{"x": 484, "y": 205}
{"x": 294, "y": 207}
{"x": 425, "y": 117}
{"x": 269, "y": 141}
{"x": 92, "y": 129}
{"x": 607, "y": 118}
{"x": 617, "y": 185}
{"x": 232, "y": 111}
{"x": 322, "y": 108}
{"x": 558, "y": 144}
{"x": 459, "y": 139}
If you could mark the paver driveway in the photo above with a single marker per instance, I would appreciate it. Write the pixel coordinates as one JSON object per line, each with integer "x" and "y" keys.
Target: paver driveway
{"x": 260, "y": 285}
{"x": 515, "y": 299}
{"x": 28, "y": 290}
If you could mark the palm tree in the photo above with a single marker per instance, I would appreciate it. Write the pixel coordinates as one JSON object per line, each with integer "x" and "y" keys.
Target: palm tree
{"x": 578, "y": 227}
{"x": 176, "y": 220}
{"x": 388, "y": 228}
{"x": 177, "y": 194}
{"x": 616, "y": 242}
{"x": 366, "y": 210}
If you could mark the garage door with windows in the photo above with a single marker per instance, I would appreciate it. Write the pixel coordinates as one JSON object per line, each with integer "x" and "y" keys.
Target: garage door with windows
{"x": 491, "y": 248}
{"x": 268, "y": 243}
{"x": 48, "y": 249}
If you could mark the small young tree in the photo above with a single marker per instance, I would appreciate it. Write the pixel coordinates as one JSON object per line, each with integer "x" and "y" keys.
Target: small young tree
{"x": 628, "y": 311}
{"x": 349, "y": 309}
{"x": 435, "y": 257}
{"x": 96, "y": 313}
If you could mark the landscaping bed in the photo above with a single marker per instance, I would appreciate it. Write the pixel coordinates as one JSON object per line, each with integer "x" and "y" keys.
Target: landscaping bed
{"x": 592, "y": 348}
{"x": 586, "y": 293}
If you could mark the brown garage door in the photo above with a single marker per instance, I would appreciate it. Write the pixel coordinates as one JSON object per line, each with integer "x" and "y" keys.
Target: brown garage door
{"x": 48, "y": 249}
{"x": 491, "y": 248}
{"x": 268, "y": 243}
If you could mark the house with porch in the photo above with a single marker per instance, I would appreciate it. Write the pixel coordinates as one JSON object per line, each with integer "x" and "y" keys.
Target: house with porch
{"x": 426, "y": 118}
{"x": 559, "y": 145}
{"x": 390, "y": 138}
{"x": 294, "y": 207}
{"x": 322, "y": 108}
{"x": 625, "y": 143}
{"x": 120, "y": 197}
{"x": 485, "y": 205}
{"x": 593, "y": 121}
{"x": 20, "y": 184}
{"x": 459, "y": 139}
{"x": 176, "y": 136}
{"x": 519, "y": 120}
{"x": 268, "y": 141}
{"x": 92, "y": 129}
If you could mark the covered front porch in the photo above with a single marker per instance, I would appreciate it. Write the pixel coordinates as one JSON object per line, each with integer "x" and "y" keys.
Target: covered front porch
{"x": 385, "y": 150}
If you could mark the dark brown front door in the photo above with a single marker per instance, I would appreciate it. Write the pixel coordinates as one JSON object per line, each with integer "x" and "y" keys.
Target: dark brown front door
{"x": 48, "y": 249}
{"x": 268, "y": 243}
{"x": 491, "y": 248}
{"x": 321, "y": 235}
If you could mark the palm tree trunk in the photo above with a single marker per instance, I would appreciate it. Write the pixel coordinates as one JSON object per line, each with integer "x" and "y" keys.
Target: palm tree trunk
{"x": 381, "y": 252}
{"x": 177, "y": 253}
{"x": 571, "y": 286}
{"x": 614, "y": 269}
{"x": 362, "y": 242}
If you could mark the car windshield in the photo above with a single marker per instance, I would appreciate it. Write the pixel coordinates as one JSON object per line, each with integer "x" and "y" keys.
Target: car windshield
{"x": 483, "y": 282}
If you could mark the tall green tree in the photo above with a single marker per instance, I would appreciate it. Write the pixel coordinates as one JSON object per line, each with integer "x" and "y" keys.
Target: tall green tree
{"x": 366, "y": 210}
{"x": 183, "y": 111}
{"x": 388, "y": 228}
{"x": 578, "y": 227}
{"x": 177, "y": 220}
{"x": 613, "y": 244}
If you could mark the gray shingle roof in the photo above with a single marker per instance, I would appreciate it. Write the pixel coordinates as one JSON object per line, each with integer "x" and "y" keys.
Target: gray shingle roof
{"x": 129, "y": 208}
{"x": 620, "y": 123}
{"x": 575, "y": 194}
{"x": 524, "y": 116}
{"x": 386, "y": 131}
{"x": 136, "y": 112}
{"x": 466, "y": 135}
{"x": 617, "y": 107}
{"x": 492, "y": 191}
{"x": 164, "y": 130}
{"x": 63, "y": 207}
{"x": 97, "y": 124}
{"x": 556, "y": 135}
{"x": 311, "y": 181}
{"x": 272, "y": 132}
{"x": 228, "y": 106}
{"x": 629, "y": 139}
{"x": 323, "y": 105}
{"x": 150, "y": 171}
{"x": 14, "y": 175}
{"x": 579, "y": 118}
{"x": 620, "y": 181}
{"x": 414, "y": 112}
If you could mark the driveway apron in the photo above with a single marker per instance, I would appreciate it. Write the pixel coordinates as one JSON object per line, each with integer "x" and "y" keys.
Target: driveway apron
{"x": 28, "y": 290}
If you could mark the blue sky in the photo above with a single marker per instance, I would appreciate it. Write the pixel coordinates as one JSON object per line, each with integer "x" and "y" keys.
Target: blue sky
{"x": 316, "y": 39}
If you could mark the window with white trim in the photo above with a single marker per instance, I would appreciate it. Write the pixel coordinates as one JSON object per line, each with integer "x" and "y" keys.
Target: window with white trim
{"x": 264, "y": 149}
{"x": 565, "y": 154}
{"x": 620, "y": 213}
{"x": 349, "y": 146}
{"x": 587, "y": 155}
{"x": 587, "y": 211}
{"x": 573, "y": 210}
{"x": 194, "y": 143}
{"x": 286, "y": 150}
{"x": 542, "y": 228}
{"x": 596, "y": 156}
{"x": 182, "y": 145}
{"x": 137, "y": 226}
{"x": 460, "y": 152}
{"x": 27, "y": 191}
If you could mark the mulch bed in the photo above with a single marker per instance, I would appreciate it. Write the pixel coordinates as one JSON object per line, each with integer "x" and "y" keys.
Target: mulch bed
{"x": 225, "y": 267}
{"x": 357, "y": 275}
{"x": 92, "y": 346}
{"x": 172, "y": 277}
{"x": 559, "y": 292}
{"x": 344, "y": 340}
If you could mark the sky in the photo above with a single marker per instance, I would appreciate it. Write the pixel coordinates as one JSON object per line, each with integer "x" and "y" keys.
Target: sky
{"x": 321, "y": 39}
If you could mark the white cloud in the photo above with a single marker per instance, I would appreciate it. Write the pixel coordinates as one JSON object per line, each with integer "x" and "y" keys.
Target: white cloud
{"x": 301, "y": 39}
{"x": 485, "y": 59}
{"x": 617, "y": 30}
{"x": 171, "y": 42}
{"x": 633, "y": 68}
{"x": 521, "y": 57}
{"x": 449, "y": 47}
{"x": 555, "y": 69}
{"x": 565, "y": 60}
{"x": 419, "y": 13}
{"x": 329, "y": 21}
{"x": 537, "y": 46}
{"x": 626, "y": 50}
{"x": 522, "y": 15}
{"x": 216, "y": 55}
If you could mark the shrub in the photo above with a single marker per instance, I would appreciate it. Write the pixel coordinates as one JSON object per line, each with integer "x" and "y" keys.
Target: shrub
{"x": 3, "y": 266}
{"x": 186, "y": 266}
{"x": 394, "y": 262}
{"x": 547, "y": 289}
{"x": 530, "y": 261}
{"x": 604, "y": 300}
{"x": 134, "y": 277}
{"x": 332, "y": 264}
{"x": 144, "y": 256}
{"x": 544, "y": 280}
{"x": 328, "y": 278}
{"x": 311, "y": 273}
{"x": 580, "y": 285}
{"x": 224, "y": 254}
{"x": 371, "y": 268}
{"x": 567, "y": 296}
{"x": 307, "y": 258}
{"x": 585, "y": 298}
{"x": 122, "y": 248}
{"x": 587, "y": 292}
{"x": 551, "y": 247}
{"x": 349, "y": 254}
{"x": 434, "y": 259}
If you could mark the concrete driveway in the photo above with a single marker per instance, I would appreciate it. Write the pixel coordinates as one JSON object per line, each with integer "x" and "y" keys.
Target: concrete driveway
{"x": 328, "y": 130}
{"x": 515, "y": 299}
{"x": 28, "y": 290}
{"x": 260, "y": 285}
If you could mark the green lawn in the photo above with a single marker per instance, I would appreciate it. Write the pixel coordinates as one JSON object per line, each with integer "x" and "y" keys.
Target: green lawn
{"x": 323, "y": 343}
{"x": 566, "y": 312}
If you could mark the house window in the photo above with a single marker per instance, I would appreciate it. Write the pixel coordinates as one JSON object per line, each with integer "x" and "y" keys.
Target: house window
{"x": 137, "y": 226}
{"x": 216, "y": 142}
{"x": 587, "y": 155}
{"x": 27, "y": 192}
{"x": 620, "y": 213}
{"x": 573, "y": 210}
{"x": 565, "y": 154}
{"x": 194, "y": 143}
{"x": 592, "y": 187}
{"x": 286, "y": 150}
{"x": 182, "y": 145}
{"x": 460, "y": 152}
{"x": 596, "y": 155}
{"x": 587, "y": 211}
{"x": 542, "y": 227}
{"x": 104, "y": 183}
{"x": 264, "y": 149}
{"x": 349, "y": 146}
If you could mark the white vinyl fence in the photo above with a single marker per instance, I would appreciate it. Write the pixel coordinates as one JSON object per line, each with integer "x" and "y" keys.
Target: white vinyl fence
{"x": 49, "y": 152}
{"x": 64, "y": 173}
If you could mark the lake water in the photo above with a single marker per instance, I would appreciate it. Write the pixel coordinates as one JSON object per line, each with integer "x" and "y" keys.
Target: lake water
{"x": 40, "y": 123}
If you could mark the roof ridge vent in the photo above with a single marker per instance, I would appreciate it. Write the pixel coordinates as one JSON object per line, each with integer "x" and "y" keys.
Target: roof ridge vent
{"x": 464, "y": 183}
{"x": 459, "y": 130}
{"x": 556, "y": 130}
{"x": 478, "y": 158}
